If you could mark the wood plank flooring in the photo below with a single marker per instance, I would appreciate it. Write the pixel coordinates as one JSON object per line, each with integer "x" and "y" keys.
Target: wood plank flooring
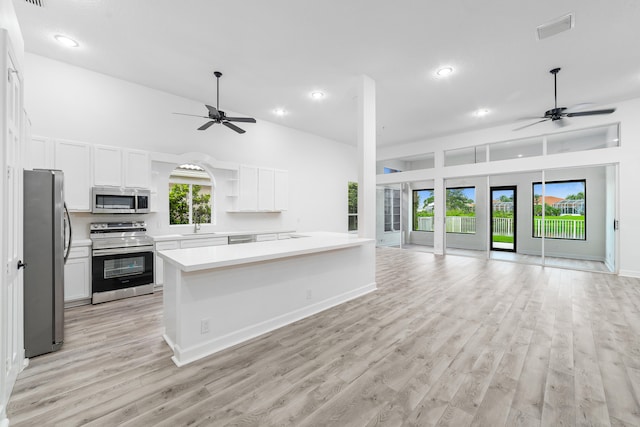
{"x": 449, "y": 340}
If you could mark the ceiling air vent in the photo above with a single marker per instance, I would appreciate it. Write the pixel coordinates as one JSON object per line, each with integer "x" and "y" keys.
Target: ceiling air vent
{"x": 556, "y": 26}
{"x": 39, "y": 3}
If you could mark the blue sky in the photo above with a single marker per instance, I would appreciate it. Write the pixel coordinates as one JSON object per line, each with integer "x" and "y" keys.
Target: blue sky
{"x": 559, "y": 189}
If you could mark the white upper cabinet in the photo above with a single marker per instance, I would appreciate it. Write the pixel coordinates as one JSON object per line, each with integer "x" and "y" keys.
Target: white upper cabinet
{"x": 39, "y": 153}
{"x": 265, "y": 189}
{"x": 281, "y": 190}
{"x": 248, "y": 188}
{"x": 74, "y": 159}
{"x": 119, "y": 167}
{"x": 107, "y": 169}
{"x": 262, "y": 190}
{"x": 137, "y": 169}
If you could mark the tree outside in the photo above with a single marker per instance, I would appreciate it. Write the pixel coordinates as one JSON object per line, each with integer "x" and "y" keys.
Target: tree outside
{"x": 353, "y": 206}
{"x": 179, "y": 204}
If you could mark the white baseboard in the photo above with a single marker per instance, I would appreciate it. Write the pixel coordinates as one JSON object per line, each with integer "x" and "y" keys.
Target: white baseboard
{"x": 629, "y": 273}
{"x": 187, "y": 355}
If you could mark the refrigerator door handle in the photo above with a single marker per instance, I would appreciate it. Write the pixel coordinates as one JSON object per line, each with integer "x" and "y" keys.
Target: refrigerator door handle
{"x": 67, "y": 245}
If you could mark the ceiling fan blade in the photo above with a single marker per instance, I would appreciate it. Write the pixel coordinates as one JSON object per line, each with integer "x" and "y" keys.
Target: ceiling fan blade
{"x": 591, "y": 112}
{"x": 578, "y": 107}
{"x": 531, "y": 124}
{"x": 241, "y": 119}
{"x": 192, "y": 115}
{"x": 234, "y": 127}
{"x": 213, "y": 112}
{"x": 530, "y": 118}
{"x": 206, "y": 125}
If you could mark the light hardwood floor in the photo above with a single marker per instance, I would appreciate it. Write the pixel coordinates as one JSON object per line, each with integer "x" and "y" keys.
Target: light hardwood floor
{"x": 444, "y": 341}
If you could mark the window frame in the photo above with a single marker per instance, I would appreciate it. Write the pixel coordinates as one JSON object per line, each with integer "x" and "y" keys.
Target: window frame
{"x": 533, "y": 208}
{"x": 349, "y": 213}
{"x": 446, "y": 198}
{"x": 190, "y": 200}
{"x": 414, "y": 210}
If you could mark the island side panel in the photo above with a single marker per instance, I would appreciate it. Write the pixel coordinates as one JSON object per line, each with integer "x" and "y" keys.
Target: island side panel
{"x": 245, "y": 301}
{"x": 170, "y": 303}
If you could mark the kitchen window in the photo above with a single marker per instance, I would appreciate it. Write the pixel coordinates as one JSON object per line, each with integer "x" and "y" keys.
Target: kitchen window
{"x": 190, "y": 196}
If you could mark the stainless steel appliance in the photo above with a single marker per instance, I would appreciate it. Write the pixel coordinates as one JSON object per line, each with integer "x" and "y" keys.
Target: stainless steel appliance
{"x": 119, "y": 200}
{"x": 47, "y": 241}
{"x": 122, "y": 260}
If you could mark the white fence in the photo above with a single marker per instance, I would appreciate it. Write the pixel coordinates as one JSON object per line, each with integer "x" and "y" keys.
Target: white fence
{"x": 559, "y": 228}
{"x": 503, "y": 226}
{"x": 554, "y": 228}
{"x": 461, "y": 224}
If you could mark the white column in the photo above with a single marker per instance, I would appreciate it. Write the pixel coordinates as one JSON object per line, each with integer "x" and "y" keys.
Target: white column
{"x": 367, "y": 157}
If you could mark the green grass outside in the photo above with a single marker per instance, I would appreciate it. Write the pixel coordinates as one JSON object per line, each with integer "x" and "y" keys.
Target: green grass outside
{"x": 567, "y": 217}
{"x": 503, "y": 239}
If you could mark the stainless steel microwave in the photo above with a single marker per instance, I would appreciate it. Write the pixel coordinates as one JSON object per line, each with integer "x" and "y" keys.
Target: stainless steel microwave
{"x": 119, "y": 200}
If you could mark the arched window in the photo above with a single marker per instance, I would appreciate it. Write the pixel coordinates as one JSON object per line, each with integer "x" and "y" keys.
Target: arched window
{"x": 190, "y": 196}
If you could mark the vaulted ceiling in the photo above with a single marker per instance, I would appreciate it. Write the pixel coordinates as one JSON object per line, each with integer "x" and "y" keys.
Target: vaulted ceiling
{"x": 274, "y": 53}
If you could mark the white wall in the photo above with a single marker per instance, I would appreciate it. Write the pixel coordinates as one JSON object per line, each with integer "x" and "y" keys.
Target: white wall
{"x": 627, "y": 156}
{"x": 68, "y": 102}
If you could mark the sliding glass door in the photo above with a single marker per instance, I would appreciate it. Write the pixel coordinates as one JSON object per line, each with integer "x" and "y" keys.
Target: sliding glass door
{"x": 503, "y": 218}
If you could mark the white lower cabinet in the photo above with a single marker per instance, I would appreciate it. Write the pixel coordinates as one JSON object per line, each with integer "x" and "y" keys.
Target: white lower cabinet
{"x": 159, "y": 263}
{"x": 199, "y": 243}
{"x": 266, "y": 237}
{"x": 77, "y": 275}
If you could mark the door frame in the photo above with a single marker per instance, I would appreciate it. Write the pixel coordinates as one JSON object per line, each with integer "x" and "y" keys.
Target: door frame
{"x": 513, "y": 188}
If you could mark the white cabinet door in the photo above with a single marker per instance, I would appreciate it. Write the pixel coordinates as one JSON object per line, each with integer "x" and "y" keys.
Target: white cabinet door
{"x": 77, "y": 275}
{"x": 137, "y": 169}
{"x": 248, "y": 188}
{"x": 199, "y": 243}
{"x": 74, "y": 159}
{"x": 159, "y": 262}
{"x": 281, "y": 190}
{"x": 107, "y": 166}
{"x": 265, "y": 189}
{"x": 39, "y": 153}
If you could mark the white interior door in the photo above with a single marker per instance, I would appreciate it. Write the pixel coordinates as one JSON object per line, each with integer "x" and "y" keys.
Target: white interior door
{"x": 11, "y": 329}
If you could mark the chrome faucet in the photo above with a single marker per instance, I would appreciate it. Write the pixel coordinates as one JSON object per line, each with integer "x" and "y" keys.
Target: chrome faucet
{"x": 196, "y": 223}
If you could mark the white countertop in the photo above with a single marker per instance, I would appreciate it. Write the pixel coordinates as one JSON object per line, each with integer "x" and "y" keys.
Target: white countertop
{"x": 209, "y": 234}
{"x": 194, "y": 259}
{"x": 80, "y": 242}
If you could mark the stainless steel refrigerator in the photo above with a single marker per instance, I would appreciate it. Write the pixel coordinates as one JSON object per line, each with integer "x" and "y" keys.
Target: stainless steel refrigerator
{"x": 46, "y": 231}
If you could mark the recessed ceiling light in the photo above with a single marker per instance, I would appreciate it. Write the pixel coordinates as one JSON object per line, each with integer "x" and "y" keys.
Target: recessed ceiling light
{"x": 444, "y": 71}
{"x": 317, "y": 94}
{"x": 519, "y": 155}
{"x": 66, "y": 41}
{"x": 481, "y": 112}
{"x": 280, "y": 112}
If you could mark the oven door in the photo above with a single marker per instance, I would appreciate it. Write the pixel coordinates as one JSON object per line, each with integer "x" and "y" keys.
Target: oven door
{"x": 121, "y": 268}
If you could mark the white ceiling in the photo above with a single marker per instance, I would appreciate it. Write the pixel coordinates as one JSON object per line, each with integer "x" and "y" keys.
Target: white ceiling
{"x": 274, "y": 53}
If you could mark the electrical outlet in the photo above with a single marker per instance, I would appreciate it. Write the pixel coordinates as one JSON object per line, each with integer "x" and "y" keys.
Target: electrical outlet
{"x": 309, "y": 294}
{"x": 204, "y": 326}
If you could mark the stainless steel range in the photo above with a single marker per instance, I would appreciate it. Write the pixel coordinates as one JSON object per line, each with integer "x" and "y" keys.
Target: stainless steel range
{"x": 122, "y": 260}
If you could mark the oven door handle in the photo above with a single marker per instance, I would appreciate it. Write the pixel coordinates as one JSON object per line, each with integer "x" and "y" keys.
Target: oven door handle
{"x": 122, "y": 251}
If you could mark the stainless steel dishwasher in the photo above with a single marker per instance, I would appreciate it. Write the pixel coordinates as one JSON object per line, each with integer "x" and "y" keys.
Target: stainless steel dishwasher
{"x": 246, "y": 238}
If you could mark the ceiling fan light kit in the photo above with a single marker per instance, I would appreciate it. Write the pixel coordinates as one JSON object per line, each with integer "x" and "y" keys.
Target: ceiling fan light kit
{"x": 215, "y": 115}
{"x": 557, "y": 114}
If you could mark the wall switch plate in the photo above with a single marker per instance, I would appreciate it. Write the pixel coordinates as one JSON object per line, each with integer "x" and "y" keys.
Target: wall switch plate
{"x": 204, "y": 326}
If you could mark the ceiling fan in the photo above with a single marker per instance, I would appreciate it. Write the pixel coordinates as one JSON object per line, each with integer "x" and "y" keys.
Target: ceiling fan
{"x": 556, "y": 114}
{"x": 218, "y": 116}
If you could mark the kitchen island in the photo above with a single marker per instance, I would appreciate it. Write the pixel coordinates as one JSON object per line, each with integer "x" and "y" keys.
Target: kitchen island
{"x": 218, "y": 296}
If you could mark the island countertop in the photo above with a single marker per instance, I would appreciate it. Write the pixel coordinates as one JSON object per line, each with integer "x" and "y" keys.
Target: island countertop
{"x": 202, "y": 258}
